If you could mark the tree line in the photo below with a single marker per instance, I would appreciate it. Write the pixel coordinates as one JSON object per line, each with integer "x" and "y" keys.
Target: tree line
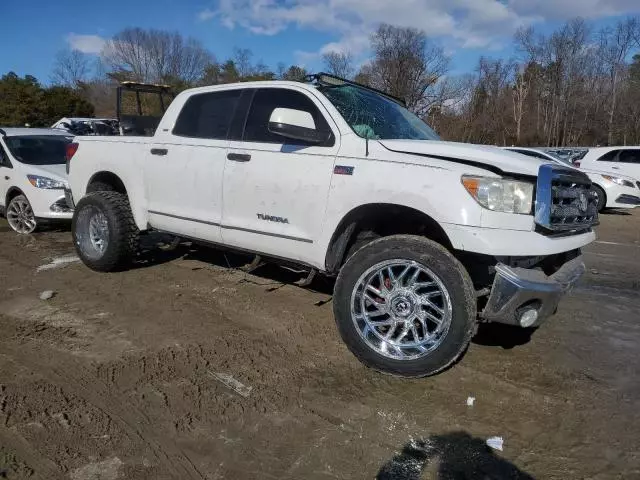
{"x": 574, "y": 86}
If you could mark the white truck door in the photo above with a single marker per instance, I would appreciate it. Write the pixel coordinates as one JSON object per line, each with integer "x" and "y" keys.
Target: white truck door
{"x": 184, "y": 167}
{"x": 276, "y": 188}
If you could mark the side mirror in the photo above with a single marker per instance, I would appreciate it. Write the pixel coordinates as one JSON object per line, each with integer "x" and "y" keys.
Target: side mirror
{"x": 296, "y": 124}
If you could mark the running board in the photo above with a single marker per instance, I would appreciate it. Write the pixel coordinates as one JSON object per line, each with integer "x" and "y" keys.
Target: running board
{"x": 305, "y": 282}
{"x": 255, "y": 264}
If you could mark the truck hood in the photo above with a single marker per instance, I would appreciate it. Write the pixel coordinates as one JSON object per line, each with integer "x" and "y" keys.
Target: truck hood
{"x": 56, "y": 172}
{"x": 481, "y": 156}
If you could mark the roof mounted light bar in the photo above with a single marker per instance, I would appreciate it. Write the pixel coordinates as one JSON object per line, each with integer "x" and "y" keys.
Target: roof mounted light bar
{"x": 326, "y": 79}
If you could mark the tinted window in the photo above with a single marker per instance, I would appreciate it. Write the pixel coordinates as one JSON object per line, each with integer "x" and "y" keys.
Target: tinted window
{"x": 207, "y": 115}
{"x": 629, "y": 156}
{"x": 609, "y": 156}
{"x": 265, "y": 101}
{"x": 39, "y": 149}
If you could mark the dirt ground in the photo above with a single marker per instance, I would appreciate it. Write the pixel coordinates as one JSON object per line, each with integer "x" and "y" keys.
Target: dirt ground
{"x": 131, "y": 376}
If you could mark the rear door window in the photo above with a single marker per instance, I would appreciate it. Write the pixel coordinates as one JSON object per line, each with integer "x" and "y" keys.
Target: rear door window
{"x": 629, "y": 156}
{"x": 207, "y": 115}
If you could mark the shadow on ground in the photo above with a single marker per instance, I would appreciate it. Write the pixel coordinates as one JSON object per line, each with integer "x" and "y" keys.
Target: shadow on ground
{"x": 612, "y": 211}
{"x": 274, "y": 275}
{"x": 452, "y": 456}
{"x": 501, "y": 335}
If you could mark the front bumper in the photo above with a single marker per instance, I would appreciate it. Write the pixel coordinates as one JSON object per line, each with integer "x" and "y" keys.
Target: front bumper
{"x": 69, "y": 198}
{"x": 49, "y": 205}
{"x": 526, "y": 297}
{"x": 628, "y": 200}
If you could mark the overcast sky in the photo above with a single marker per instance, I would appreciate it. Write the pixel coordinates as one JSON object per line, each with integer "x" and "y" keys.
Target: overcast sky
{"x": 291, "y": 31}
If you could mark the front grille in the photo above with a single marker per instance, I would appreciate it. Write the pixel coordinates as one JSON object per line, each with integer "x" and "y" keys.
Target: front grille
{"x": 565, "y": 200}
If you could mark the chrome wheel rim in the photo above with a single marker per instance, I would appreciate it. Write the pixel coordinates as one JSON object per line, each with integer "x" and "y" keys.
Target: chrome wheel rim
{"x": 20, "y": 216}
{"x": 92, "y": 232}
{"x": 401, "y": 309}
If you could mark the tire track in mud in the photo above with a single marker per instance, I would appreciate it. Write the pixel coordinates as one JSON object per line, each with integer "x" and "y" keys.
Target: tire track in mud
{"x": 80, "y": 387}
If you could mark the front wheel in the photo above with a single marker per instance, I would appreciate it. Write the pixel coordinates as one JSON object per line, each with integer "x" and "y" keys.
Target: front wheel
{"x": 104, "y": 231}
{"x": 405, "y": 306}
{"x": 20, "y": 215}
{"x": 601, "y": 198}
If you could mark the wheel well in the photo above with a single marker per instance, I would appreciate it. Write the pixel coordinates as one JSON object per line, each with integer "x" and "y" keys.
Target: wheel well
{"x": 107, "y": 178}
{"x": 383, "y": 219}
{"x": 11, "y": 194}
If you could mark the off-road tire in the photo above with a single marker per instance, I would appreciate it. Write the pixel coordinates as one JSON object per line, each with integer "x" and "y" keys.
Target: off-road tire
{"x": 602, "y": 198}
{"x": 123, "y": 232}
{"x": 443, "y": 264}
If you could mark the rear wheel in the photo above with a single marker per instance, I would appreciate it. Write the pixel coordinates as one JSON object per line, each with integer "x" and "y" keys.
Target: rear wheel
{"x": 104, "y": 232}
{"x": 404, "y": 305}
{"x": 20, "y": 215}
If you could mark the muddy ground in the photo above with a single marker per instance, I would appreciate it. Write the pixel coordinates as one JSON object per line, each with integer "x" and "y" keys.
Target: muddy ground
{"x": 122, "y": 376}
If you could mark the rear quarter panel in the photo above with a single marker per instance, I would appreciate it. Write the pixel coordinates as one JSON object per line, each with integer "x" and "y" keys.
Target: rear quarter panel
{"x": 122, "y": 156}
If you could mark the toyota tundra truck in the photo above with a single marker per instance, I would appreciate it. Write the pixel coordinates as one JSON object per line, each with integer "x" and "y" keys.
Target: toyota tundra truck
{"x": 425, "y": 238}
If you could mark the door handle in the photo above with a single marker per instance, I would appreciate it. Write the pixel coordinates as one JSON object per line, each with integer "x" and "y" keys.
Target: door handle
{"x": 616, "y": 168}
{"x": 239, "y": 157}
{"x": 159, "y": 151}
{"x": 6, "y": 177}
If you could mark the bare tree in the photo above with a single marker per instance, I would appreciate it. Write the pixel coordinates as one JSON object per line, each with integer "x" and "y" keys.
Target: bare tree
{"x": 71, "y": 68}
{"x": 615, "y": 46}
{"x": 520, "y": 92}
{"x": 156, "y": 56}
{"x": 242, "y": 59}
{"x": 339, "y": 64}
{"x": 407, "y": 65}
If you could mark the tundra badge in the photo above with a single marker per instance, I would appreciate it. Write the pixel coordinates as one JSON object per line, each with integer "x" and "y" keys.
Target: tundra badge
{"x": 271, "y": 218}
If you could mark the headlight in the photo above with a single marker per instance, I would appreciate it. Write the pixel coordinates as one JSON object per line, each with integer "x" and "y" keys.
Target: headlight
{"x": 500, "y": 195}
{"x": 45, "y": 182}
{"x": 619, "y": 181}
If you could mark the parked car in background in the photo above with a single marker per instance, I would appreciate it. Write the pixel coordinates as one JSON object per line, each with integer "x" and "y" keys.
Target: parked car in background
{"x": 571, "y": 155}
{"x": 616, "y": 160}
{"x": 88, "y": 126}
{"x": 425, "y": 237}
{"x": 33, "y": 176}
{"x": 613, "y": 191}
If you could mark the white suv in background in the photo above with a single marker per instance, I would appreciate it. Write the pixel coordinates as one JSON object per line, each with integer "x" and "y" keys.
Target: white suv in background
{"x": 617, "y": 160}
{"x": 33, "y": 176}
{"x": 613, "y": 190}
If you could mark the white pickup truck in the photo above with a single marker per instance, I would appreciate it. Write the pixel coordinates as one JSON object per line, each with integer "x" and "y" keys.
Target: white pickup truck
{"x": 426, "y": 238}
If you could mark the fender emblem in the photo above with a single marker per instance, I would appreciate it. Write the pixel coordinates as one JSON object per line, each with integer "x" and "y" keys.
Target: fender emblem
{"x": 343, "y": 170}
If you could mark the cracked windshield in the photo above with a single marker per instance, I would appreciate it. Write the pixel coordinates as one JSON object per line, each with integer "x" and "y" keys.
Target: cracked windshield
{"x": 376, "y": 117}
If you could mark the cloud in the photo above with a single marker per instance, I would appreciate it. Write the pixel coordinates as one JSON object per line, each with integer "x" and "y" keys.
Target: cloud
{"x": 206, "y": 14}
{"x": 477, "y": 24}
{"x": 86, "y": 43}
{"x": 566, "y": 9}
